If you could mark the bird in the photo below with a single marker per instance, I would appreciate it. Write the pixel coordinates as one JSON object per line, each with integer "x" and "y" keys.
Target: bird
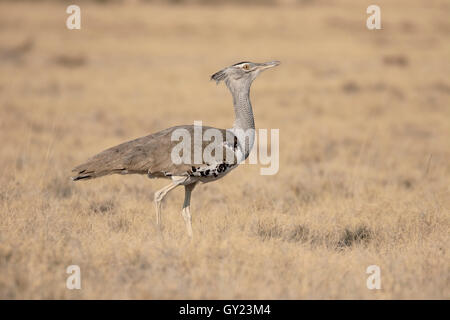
{"x": 153, "y": 155}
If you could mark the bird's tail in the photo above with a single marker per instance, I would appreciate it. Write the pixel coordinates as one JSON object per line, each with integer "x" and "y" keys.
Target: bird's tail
{"x": 94, "y": 169}
{"x": 83, "y": 175}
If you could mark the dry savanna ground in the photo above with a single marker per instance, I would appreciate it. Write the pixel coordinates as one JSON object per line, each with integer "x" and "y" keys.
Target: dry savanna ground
{"x": 364, "y": 119}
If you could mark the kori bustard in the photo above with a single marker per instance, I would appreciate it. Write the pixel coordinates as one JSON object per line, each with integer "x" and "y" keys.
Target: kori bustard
{"x": 152, "y": 155}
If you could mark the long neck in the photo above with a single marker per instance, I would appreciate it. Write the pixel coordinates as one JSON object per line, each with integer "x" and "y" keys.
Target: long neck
{"x": 243, "y": 109}
{"x": 244, "y": 123}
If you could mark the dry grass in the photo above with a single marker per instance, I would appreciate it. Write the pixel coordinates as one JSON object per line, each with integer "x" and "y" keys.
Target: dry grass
{"x": 364, "y": 173}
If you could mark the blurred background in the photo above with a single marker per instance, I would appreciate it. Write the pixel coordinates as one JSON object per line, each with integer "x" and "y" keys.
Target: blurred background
{"x": 364, "y": 149}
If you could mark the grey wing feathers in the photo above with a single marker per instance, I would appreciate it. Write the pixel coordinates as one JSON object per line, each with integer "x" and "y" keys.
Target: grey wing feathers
{"x": 146, "y": 155}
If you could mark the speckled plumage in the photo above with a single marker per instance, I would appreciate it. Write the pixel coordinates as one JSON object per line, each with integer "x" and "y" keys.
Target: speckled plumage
{"x": 151, "y": 155}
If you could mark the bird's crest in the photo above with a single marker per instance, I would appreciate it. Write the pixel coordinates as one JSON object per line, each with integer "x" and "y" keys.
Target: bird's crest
{"x": 219, "y": 76}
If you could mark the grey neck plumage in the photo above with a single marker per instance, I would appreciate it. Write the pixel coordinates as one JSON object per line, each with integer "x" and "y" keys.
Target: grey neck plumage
{"x": 244, "y": 123}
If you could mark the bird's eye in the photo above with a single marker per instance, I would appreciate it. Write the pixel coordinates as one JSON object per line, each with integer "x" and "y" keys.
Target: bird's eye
{"x": 246, "y": 67}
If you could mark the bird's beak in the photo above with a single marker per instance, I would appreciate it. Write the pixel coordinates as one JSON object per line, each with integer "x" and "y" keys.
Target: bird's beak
{"x": 267, "y": 65}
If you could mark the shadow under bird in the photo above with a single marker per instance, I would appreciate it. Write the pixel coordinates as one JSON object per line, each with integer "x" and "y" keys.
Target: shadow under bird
{"x": 152, "y": 155}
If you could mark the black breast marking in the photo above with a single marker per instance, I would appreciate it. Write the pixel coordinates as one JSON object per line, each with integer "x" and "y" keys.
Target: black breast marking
{"x": 210, "y": 171}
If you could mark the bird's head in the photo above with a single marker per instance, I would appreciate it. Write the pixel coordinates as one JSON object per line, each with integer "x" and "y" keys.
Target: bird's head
{"x": 242, "y": 74}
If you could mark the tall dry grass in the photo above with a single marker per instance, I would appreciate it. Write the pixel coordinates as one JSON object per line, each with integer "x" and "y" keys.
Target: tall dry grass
{"x": 364, "y": 151}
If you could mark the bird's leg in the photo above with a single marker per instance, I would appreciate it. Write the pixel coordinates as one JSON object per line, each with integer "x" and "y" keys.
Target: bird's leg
{"x": 186, "y": 213}
{"x": 159, "y": 196}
